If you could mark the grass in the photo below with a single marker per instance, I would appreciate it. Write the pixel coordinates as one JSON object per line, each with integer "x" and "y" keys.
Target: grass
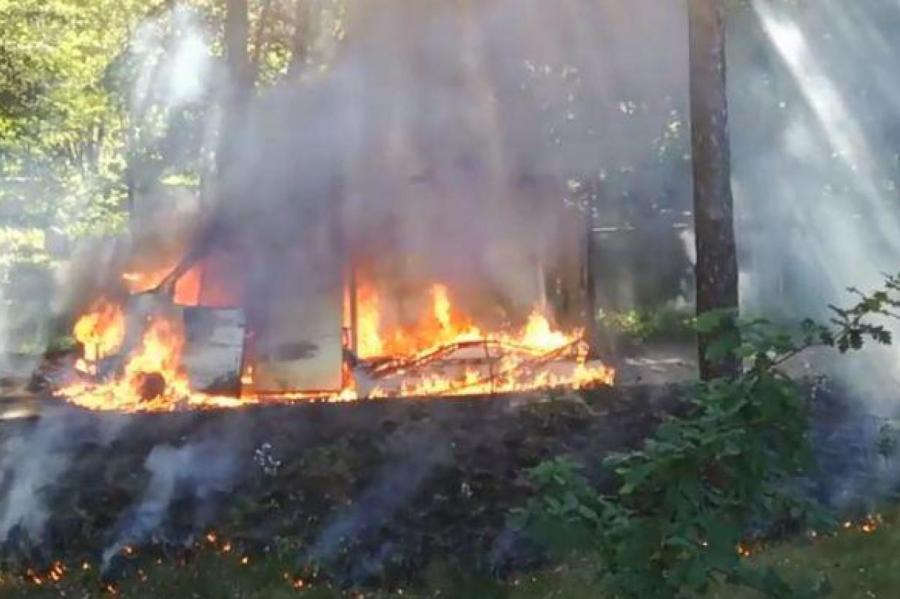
{"x": 214, "y": 575}
{"x": 857, "y": 563}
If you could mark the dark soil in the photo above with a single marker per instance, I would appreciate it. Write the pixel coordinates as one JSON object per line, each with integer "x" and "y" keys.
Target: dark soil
{"x": 366, "y": 491}
{"x": 362, "y": 492}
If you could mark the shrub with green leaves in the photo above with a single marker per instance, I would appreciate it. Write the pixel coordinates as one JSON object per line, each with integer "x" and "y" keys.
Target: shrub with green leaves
{"x": 707, "y": 478}
{"x": 665, "y": 323}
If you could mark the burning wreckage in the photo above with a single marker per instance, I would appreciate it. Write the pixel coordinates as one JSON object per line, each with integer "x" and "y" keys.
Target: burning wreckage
{"x": 352, "y": 248}
{"x": 372, "y": 232}
{"x": 190, "y": 335}
{"x": 162, "y": 351}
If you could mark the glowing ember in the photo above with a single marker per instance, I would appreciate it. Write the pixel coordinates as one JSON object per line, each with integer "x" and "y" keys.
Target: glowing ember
{"x": 55, "y": 574}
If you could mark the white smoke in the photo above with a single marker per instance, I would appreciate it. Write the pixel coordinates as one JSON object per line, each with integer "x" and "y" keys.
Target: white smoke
{"x": 815, "y": 164}
{"x": 33, "y": 461}
{"x": 173, "y": 61}
{"x": 198, "y": 471}
{"x": 415, "y": 456}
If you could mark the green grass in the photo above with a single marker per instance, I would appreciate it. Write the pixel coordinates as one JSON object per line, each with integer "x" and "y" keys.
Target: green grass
{"x": 856, "y": 564}
{"x": 211, "y": 574}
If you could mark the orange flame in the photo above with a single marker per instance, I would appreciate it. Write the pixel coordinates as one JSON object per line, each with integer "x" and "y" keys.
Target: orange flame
{"x": 512, "y": 372}
{"x": 442, "y": 307}
{"x": 440, "y": 326}
{"x": 101, "y": 332}
{"x": 369, "y": 323}
{"x": 536, "y": 356}
{"x": 152, "y": 380}
{"x": 446, "y": 327}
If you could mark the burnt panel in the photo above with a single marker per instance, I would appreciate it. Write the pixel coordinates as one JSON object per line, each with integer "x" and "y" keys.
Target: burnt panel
{"x": 214, "y": 349}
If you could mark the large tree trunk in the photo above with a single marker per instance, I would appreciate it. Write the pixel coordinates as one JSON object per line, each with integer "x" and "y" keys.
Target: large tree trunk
{"x": 236, "y": 97}
{"x": 717, "y": 270}
{"x": 240, "y": 82}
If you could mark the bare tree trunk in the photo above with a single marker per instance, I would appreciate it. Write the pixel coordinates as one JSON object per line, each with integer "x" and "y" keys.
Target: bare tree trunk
{"x": 717, "y": 269}
{"x": 240, "y": 81}
{"x": 589, "y": 286}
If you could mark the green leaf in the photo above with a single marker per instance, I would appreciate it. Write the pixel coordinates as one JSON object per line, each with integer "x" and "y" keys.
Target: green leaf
{"x": 710, "y": 322}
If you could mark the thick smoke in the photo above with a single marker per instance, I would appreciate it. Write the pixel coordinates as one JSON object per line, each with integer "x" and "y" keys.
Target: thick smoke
{"x": 815, "y": 148}
{"x": 441, "y": 141}
{"x": 28, "y": 464}
{"x": 446, "y": 143}
{"x": 169, "y": 81}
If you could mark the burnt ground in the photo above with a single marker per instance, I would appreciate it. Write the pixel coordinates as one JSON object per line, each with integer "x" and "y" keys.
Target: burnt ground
{"x": 366, "y": 490}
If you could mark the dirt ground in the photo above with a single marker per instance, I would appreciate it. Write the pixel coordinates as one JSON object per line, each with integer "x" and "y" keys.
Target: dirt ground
{"x": 370, "y": 490}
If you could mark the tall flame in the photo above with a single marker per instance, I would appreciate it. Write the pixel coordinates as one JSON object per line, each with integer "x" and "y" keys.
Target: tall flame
{"x": 442, "y": 307}
{"x": 369, "y": 323}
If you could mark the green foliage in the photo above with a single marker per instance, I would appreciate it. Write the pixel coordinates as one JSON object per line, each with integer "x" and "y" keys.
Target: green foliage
{"x": 558, "y": 512}
{"x": 643, "y": 325}
{"x": 75, "y": 139}
{"x": 695, "y": 490}
{"x": 61, "y": 137}
{"x": 21, "y": 246}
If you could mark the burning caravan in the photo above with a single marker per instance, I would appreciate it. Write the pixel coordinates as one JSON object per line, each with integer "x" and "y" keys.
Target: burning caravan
{"x": 380, "y": 262}
{"x": 219, "y": 329}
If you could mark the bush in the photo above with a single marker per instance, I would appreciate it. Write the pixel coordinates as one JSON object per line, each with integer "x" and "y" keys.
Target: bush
{"x": 666, "y": 323}
{"x": 689, "y": 497}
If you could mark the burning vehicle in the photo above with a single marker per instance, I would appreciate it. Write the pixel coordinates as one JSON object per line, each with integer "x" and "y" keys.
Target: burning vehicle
{"x": 310, "y": 292}
{"x": 185, "y": 336}
{"x": 357, "y": 243}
